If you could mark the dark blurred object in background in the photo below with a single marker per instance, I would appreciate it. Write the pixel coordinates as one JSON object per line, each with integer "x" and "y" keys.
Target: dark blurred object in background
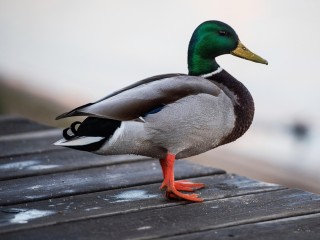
{"x": 300, "y": 130}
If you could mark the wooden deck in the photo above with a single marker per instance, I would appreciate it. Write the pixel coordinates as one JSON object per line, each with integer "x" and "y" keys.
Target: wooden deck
{"x": 48, "y": 192}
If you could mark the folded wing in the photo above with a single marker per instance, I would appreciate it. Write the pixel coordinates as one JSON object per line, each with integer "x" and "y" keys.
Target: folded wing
{"x": 137, "y": 99}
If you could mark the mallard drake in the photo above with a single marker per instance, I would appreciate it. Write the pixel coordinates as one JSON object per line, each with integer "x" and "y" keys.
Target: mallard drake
{"x": 172, "y": 116}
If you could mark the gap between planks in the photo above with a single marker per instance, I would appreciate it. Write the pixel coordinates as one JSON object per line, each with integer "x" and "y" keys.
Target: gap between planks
{"x": 108, "y": 162}
{"x": 209, "y": 234}
{"x": 232, "y": 212}
{"x": 31, "y": 135}
{"x": 233, "y": 186}
{"x": 93, "y": 180}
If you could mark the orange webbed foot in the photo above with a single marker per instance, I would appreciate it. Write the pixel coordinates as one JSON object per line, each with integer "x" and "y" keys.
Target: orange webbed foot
{"x": 184, "y": 185}
{"x": 188, "y": 186}
{"x": 173, "y": 187}
{"x": 173, "y": 193}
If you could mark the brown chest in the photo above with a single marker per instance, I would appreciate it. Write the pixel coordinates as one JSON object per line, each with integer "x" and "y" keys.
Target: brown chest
{"x": 242, "y": 102}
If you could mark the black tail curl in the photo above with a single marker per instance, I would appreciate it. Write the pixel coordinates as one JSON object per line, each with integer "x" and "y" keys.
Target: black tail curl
{"x": 73, "y": 130}
{"x": 92, "y": 126}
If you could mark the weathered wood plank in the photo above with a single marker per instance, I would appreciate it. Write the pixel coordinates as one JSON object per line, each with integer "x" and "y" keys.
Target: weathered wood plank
{"x": 13, "y": 125}
{"x": 34, "y": 142}
{"x": 121, "y": 201}
{"x": 93, "y": 179}
{"x": 56, "y": 161}
{"x": 298, "y": 228}
{"x": 182, "y": 219}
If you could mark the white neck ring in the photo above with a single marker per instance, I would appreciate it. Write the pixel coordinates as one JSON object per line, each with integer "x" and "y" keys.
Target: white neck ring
{"x": 212, "y": 73}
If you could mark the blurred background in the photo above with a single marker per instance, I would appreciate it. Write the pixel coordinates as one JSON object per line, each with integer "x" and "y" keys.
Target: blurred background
{"x": 56, "y": 55}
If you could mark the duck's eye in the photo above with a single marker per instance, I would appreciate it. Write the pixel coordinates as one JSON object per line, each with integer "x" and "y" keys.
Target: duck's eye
{"x": 222, "y": 33}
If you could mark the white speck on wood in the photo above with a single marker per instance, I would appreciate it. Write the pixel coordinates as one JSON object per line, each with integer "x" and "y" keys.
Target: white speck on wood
{"x": 93, "y": 208}
{"x": 41, "y": 167}
{"x": 215, "y": 206}
{"x": 25, "y": 216}
{"x": 35, "y": 196}
{"x": 35, "y": 187}
{"x": 19, "y": 165}
{"x": 143, "y": 228}
{"x": 134, "y": 195}
{"x": 29, "y": 164}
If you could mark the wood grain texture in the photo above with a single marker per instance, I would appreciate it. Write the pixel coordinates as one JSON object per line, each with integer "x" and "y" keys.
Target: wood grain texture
{"x": 29, "y": 143}
{"x": 93, "y": 179}
{"x": 48, "y": 192}
{"x": 57, "y": 161}
{"x": 13, "y": 125}
{"x": 182, "y": 219}
{"x": 305, "y": 227}
{"x": 124, "y": 200}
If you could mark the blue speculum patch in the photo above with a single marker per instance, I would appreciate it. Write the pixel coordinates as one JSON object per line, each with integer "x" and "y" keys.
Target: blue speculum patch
{"x": 154, "y": 110}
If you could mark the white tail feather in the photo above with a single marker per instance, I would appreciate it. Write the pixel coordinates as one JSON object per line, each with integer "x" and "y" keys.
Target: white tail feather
{"x": 79, "y": 141}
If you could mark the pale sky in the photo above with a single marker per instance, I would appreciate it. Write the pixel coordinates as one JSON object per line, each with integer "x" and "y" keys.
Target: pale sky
{"x": 78, "y": 51}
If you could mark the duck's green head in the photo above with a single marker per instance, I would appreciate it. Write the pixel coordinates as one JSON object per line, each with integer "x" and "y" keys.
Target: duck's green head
{"x": 212, "y": 39}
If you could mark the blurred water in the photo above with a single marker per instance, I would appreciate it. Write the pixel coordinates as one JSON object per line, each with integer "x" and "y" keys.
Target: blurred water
{"x": 294, "y": 158}
{"x": 279, "y": 144}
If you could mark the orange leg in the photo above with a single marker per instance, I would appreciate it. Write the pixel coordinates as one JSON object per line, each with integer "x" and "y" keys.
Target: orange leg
{"x": 173, "y": 187}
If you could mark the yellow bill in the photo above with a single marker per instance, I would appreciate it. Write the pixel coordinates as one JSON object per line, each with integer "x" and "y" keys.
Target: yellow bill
{"x": 242, "y": 52}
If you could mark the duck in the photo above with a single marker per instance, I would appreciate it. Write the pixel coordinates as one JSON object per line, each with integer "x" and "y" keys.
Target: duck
{"x": 172, "y": 116}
